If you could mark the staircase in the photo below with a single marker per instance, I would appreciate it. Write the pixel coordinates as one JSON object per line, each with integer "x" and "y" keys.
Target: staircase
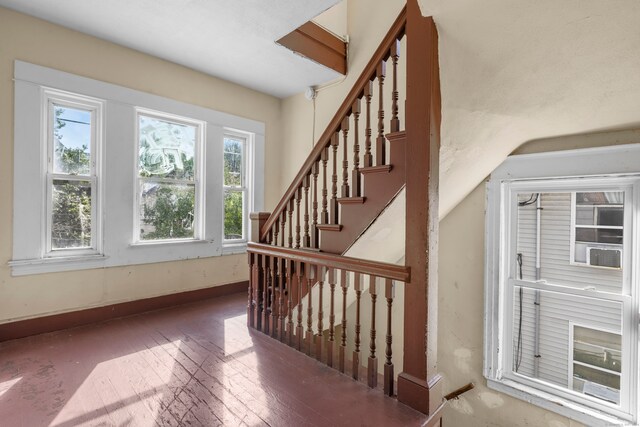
{"x": 358, "y": 166}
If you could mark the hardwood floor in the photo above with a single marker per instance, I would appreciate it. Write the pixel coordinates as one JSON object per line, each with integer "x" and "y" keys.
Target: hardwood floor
{"x": 193, "y": 365}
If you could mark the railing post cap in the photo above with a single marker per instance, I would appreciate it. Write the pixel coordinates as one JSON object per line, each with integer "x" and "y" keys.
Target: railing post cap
{"x": 259, "y": 215}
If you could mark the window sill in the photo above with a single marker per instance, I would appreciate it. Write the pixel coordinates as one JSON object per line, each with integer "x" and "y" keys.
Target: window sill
{"x": 234, "y": 248}
{"x": 550, "y": 402}
{"x": 152, "y": 243}
{"x": 56, "y": 264}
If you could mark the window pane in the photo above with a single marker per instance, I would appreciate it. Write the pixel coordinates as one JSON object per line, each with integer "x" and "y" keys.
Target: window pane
{"x": 599, "y": 235}
{"x": 600, "y": 208}
{"x": 233, "y": 162}
{"x": 544, "y": 253}
{"x": 597, "y": 348}
{"x": 167, "y": 211}
{"x": 71, "y": 216}
{"x": 233, "y": 209}
{"x": 542, "y": 323}
{"x": 72, "y": 140}
{"x": 166, "y": 149}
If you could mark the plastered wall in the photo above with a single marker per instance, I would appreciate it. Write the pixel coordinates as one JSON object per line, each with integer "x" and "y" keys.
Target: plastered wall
{"x": 461, "y": 304}
{"x": 32, "y": 40}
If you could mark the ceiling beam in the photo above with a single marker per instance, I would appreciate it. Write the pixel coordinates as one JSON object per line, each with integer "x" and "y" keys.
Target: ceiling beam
{"x": 314, "y": 42}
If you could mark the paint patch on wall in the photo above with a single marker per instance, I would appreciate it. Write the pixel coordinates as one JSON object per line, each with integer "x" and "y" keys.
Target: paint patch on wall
{"x": 462, "y": 357}
{"x": 491, "y": 400}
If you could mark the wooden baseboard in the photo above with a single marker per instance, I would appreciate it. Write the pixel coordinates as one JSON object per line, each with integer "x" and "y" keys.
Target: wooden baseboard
{"x": 40, "y": 325}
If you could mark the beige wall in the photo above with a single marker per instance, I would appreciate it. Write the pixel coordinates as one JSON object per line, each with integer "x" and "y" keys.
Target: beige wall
{"x": 32, "y": 40}
{"x": 461, "y": 304}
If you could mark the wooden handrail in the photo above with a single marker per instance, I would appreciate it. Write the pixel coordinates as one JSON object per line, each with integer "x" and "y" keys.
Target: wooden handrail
{"x": 379, "y": 269}
{"x": 396, "y": 32}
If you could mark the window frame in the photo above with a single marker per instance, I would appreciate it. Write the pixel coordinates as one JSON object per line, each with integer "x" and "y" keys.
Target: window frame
{"x": 572, "y": 242}
{"x": 51, "y": 98}
{"x": 246, "y": 180}
{"x": 572, "y": 361}
{"x": 117, "y": 195}
{"x": 198, "y": 181}
{"x": 536, "y": 169}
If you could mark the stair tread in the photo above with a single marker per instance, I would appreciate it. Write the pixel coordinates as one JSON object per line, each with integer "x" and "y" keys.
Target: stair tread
{"x": 351, "y": 200}
{"x": 330, "y": 227}
{"x": 377, "y": 169}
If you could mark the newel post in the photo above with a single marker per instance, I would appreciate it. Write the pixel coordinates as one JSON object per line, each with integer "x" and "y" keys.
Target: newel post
{"x": 419, "y": 384}
{"x": 258, "y": 219}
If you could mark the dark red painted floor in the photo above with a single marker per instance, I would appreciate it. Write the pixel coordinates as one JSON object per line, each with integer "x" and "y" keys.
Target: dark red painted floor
{"x": 196, "y": 365}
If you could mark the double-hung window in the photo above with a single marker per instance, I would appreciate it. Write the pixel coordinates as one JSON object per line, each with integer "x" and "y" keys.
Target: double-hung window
{"x": 73, "y": 136}
{"x": 235, "y": 187}
{"x": 562, "y": 287}
{"x": 169, "y": 169}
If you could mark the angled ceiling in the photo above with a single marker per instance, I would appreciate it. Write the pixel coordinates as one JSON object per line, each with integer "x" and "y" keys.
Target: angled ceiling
{"x": 230, "y": 39}
{"x": 515, "y": 71}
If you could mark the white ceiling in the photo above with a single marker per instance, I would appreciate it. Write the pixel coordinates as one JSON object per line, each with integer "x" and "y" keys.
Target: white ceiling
{"x": 230, "y": 39}
{"x": 513, "y": 71}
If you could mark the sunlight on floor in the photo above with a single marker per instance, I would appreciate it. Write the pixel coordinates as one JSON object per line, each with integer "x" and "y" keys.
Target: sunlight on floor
{"x": 6, "y": 385}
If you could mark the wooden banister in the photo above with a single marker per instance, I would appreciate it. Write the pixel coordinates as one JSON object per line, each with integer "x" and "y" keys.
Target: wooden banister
{"x": 381, "y": 54}
{"x": 384, "y": 270}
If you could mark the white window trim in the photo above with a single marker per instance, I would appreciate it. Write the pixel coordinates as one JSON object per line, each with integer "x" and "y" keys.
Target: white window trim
{"x": 117, "y": 196}
{"x": 96, "y": 107}
{"x": 612, "y": 162}
{"x": 199, "y": 174}
{"x": 232, "y": 246}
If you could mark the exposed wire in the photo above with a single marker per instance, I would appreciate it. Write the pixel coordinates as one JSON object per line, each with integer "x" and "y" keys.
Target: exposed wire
{"x": 533, "y": 199}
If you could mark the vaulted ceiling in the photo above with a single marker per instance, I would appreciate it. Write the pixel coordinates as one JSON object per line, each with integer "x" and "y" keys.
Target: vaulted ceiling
{"x": 230, "y": 39}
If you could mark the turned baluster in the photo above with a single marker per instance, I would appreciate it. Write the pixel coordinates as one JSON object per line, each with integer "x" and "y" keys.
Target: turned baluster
{"x": 343, "y": 345}
{"x": 368, "y": 95}
{"x": 345, "y": 158}
{"x": 372, "y": 368}
{"x": 299, "y": 328}
{"x": 273, "y": 312}
{"x": 332, "y": 316}
{"x": 321, "y": 273}
{"x": 252, "y": 283}
{"x": 283, "y": 223}
{"x": 315, "y": 170}
{"x": 357, "y": 285}
{"x": 388, "y": 366}
{"x": 265, "y": 294}
{"x": 355, "y": 175}
{"x": 276, "y": 230}
{"x": 395, "y": 55}
{"x": 290, "y": 288}
{"x": 324, "y": 215}
{"x": 333, "y": 205}
{"x": 306, "y": 184}
{"x": 259, "y": 292}
{"x": 270, "y": 236}
{"x": 381, "y": 140}
{"x": 291, "y": 209}
{"x": 282, "y": 270}
{"x": 311, "y": 279}
{"x": 298, "y": 199}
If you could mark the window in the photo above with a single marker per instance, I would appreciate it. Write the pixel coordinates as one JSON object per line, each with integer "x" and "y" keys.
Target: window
{"x": 596, "y": 363}
{"x": 72, "y": 220}
{"x": 109, "y": 176}
{"x": 235, "y": 188}
{"x": 562, "y": 300}
{"x": 597, "y": 226}
{"x": 169, "y": 178}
